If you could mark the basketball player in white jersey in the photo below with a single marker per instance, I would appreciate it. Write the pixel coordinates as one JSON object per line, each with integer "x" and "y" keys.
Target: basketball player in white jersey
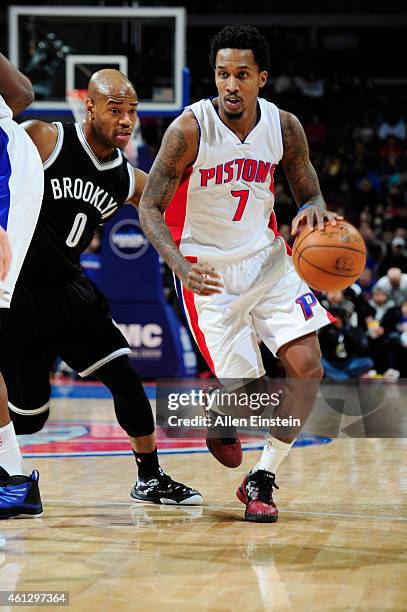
{"x": 21, "y": 190}
{"x": 213, "y": 178}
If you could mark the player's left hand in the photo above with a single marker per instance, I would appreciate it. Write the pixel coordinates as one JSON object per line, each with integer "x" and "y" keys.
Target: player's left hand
{"x": 5, "y": 254}
{"x": 313, "y": 216}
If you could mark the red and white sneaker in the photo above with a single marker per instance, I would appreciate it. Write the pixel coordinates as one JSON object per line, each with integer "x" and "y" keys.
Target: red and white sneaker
{"x": 256, "y": 492}
{"x": 222, "y": 440}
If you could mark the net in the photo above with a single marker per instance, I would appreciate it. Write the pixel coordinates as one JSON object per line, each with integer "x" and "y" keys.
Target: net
{"x": 76, "y": 99}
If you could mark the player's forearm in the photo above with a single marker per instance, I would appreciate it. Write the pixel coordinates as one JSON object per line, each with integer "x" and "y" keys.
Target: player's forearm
{"x": 163, "y": 180}
{"x": 156, "y": 230}
{"x": 304, "y": 185}
{"x": 300, "y": 172}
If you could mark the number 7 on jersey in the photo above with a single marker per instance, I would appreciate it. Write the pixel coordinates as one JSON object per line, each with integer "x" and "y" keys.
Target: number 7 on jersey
{"x": 243, "y": 196}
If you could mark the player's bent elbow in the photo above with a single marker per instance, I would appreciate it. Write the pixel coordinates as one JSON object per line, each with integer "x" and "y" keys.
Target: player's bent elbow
{"x": 21, "y": 99}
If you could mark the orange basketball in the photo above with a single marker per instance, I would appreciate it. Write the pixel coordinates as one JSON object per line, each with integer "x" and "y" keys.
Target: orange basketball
{"x": 330, "y": 259}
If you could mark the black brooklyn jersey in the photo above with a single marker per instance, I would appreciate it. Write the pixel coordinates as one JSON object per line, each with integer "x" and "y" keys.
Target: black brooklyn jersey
{"x": 80, "y": 193}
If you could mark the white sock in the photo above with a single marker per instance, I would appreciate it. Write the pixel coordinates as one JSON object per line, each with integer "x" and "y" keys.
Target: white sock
{"x": 10, "y": 455}
{"x": 274, "y": 452}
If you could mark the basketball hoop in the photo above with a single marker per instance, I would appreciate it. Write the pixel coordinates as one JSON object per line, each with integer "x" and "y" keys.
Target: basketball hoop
{"x": 76, "y": 99}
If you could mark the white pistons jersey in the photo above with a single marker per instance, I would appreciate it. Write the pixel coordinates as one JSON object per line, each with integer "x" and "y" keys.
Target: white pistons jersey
{"x": 21, "y": 191}
{"x": 222, "y": 208}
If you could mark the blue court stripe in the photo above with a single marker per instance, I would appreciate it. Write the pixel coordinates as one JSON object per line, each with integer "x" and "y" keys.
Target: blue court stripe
{"x": 5, "y": 174}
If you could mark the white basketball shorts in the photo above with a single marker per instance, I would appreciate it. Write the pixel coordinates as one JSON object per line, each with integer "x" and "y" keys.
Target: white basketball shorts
{"x": 21, "y": 191}
{"x": 263, "y": 298}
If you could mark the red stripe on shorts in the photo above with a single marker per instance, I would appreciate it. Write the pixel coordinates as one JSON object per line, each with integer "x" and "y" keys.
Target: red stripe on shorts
{"x": 273, "y": 226}
{"x": 189, "y": 301}
{"x": 331, "y": 317}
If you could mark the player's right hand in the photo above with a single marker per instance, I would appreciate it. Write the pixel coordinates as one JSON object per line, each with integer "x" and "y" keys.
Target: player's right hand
{"x": 201, "y": 278}
{"x": 5, "y": 254}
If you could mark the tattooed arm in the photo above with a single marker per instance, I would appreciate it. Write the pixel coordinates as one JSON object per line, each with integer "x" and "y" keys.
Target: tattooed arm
{"x": 301, "y": 176}
{"x": 178, "y": 151}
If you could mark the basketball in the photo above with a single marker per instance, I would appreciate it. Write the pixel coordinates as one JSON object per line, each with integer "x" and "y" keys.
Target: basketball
{"x": 329, "y": 259}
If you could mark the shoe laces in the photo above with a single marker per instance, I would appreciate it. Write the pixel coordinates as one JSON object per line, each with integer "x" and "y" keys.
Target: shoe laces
{"x": 261, "y": 485}
{"x": 164, "y": 481}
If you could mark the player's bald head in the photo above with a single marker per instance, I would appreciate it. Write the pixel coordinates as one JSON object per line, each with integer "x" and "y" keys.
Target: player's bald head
{"x": 111, "y": 109}
{"x": 110, "y": 82}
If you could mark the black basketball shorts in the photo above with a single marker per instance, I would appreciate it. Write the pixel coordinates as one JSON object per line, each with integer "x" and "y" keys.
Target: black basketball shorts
{"x": 72, "y": 322}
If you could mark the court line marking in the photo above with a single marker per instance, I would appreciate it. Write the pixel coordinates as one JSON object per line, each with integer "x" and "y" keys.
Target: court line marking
{"x": 57, "y": 502}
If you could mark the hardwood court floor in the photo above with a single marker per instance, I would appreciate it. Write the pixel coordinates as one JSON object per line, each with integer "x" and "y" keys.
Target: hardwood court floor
{"x": 340, "y": 543}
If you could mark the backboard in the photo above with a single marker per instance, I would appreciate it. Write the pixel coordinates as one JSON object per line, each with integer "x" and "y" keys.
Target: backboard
{"x": 59, "y": 47}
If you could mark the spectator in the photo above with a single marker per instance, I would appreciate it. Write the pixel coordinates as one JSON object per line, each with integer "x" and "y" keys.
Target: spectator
{"x": 394, "y": 323}
{"x": 372, "y": 315}
{"x": 374, "y": 310}
{"x": 338, "y": 299}
{"x": 376, "y": 248}
{"x": 366, "y": 282}
{"x": 344, "y": 349}
{"x": 396, "y": 256}
{"x": 394, "y": 284}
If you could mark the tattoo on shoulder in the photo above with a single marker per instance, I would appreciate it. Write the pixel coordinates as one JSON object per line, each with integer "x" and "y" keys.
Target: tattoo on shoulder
{"x": 175, "y": 147}
{"x": 294, "y": 139}
{"x": 164, "y": 175}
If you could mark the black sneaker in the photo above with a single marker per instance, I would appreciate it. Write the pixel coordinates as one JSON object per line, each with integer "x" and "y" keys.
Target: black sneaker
{"x": 19, "y": 495}
{"x": 161, "y": 489}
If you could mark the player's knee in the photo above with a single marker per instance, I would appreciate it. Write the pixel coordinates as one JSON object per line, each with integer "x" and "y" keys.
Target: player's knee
{"x": 28, "y": 421}
{"x": 311, "y": 368}
{"x": 136, "y": 420}
{"x": 133, "y": 410}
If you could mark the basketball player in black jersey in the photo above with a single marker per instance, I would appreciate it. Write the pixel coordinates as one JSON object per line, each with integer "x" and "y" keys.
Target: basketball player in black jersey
{"x": 56, "y": 310}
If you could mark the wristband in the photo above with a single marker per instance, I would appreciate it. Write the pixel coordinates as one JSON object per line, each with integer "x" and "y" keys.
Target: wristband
{"x": 303, "y": 207}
